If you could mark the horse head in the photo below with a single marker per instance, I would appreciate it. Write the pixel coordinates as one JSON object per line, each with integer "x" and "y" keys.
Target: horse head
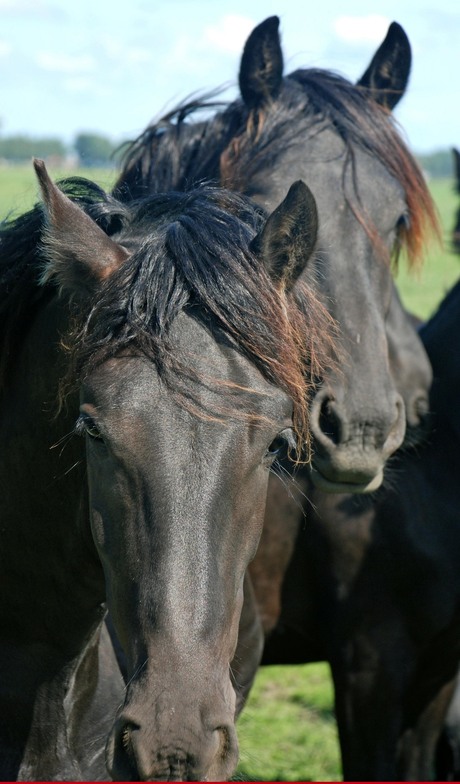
{"x": 372, "y": 200}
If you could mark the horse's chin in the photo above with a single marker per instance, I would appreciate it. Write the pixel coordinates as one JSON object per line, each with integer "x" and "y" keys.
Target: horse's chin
{"x": 333, "y": 486}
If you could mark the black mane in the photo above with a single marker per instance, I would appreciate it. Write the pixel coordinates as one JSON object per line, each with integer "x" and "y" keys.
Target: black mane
{"x": 179, "y": 150}
{"x": 189, "y": 251}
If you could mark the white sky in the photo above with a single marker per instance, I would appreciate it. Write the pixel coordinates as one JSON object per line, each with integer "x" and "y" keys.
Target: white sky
{"x": 110, "y": 66}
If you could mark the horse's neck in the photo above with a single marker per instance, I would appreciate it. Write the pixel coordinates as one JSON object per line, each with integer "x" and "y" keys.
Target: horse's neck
{"x": 72, "y": 715}
{"x": 50, "y": 577}
{"x": 49, "y": 567}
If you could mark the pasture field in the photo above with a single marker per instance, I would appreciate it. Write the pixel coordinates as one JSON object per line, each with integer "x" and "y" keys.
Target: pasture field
{"x": 423, "y": 290}
{"x": 19, "y": 187}
{"x": 287, "y": 731}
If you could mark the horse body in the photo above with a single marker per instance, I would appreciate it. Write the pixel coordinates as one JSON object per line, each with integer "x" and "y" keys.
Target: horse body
{"x": 372, "y": 587}
{"x": 144, "y": 401}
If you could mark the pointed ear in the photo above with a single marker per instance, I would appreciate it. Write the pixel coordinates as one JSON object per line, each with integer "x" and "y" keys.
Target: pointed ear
{"x": 388, "y": 73}
{"x": 456, "y": 155}
{"x": 288, "y": 238}
{"x": 261, "y": 69}
{"x": 80, "y": 255}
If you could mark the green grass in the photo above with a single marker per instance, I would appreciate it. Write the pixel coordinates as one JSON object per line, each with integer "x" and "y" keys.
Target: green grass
{"x": 19, "y": 188}
{"x": 422, "y": 292}
{"x": 287, "y": 730}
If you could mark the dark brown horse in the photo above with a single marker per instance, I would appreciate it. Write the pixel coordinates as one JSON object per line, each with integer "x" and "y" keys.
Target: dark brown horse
{"x": 341, "y": 138}
{"x": 373, "y": 587}
{"x": 448, "y": 751}
{"x": 153, "y": 367}
{"x": 353, "y": 586}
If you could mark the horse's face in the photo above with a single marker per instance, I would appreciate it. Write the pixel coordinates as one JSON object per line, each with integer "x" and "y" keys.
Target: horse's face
{"x": 177, "y": 506}
{"x": 359, "y": 413}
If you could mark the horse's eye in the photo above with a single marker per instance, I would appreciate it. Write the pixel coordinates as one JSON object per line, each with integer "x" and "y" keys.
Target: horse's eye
{"x": 284, "y": 443}
{"x": 401, "y": 230}
{"x": 403, "y": 223}
{"x": 86, "y": 425}
{"x": 402, "y": 227}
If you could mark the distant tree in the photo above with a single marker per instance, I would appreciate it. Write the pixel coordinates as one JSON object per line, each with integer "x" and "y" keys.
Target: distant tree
{"x": 93, "y": 149}
{"x": 437, "y": 164}
{"x": 23, "y": 148}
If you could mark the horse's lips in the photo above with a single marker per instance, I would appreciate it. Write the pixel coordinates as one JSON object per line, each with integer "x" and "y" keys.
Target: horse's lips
{"x": 329, "y": 486}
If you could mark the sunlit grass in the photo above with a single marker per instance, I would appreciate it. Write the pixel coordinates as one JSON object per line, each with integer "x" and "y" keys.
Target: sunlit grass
{"x": 421, "y": 292}
{"x": 287, "y": 731}
{"x": 19, "y": 187}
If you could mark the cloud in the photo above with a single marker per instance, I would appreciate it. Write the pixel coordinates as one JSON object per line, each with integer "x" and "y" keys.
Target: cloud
{"x": 34, "y": 8}
{"x": 115, "y": 49}
{"x": 361, "y": 29}
{"x": 199, "y": 56}
{"x": 18, "y": 6}
{"x": 65, "y": 63}
{"x": 5, "y": 48}
{"x": 84, "y": 86}
{"x": 230, "y": 33}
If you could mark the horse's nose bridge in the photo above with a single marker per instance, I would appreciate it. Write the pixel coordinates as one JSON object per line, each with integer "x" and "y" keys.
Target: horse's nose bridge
{"x": 358, "y": 402}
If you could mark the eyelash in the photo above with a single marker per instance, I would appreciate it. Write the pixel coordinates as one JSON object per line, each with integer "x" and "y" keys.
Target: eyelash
{"x": 85, "y": 425}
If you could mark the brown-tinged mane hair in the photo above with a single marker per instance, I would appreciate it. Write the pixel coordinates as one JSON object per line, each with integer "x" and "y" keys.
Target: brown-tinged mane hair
{"x": 233, "y": 145}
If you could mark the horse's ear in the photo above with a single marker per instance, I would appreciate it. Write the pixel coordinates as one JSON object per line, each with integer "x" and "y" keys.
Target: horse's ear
{"x": 456, "y": 154}
{"x": 388, "y": 72}
{"x": 288, "y": 238}
{"x": 79, "y": 254}
{"x": 261, "y": 69}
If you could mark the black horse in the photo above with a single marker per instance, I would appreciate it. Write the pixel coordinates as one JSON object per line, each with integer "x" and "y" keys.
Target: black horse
{"x": 448, "y": 750}
{"x": 373, "y": 588}
{"x": 350, "y": 596}
{"x": 341, "y": 139}
{"x": 152, "y": 368}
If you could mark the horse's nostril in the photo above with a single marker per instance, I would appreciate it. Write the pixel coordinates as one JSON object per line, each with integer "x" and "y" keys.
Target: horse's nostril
{"x": 328, "y": 422}
{"x": 124, "y": 757}
{"x": 421, "y": 407}
{"x": 126, "y": 739}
